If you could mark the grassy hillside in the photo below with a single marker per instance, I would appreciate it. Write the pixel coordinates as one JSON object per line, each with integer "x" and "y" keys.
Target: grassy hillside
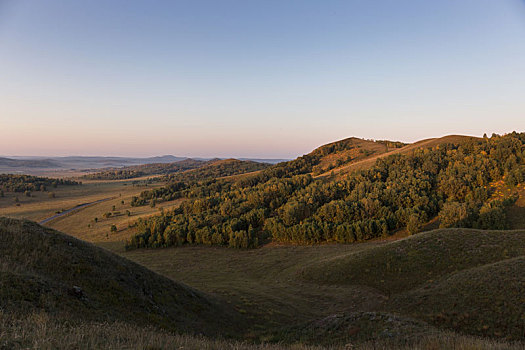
{"x": 59, "y": 292}
{"x": 486, "y": 300}
{"x": 444, "y": 280}
{"x": 42, "y": 270}
{"x": 470, "y": 281}
{"x": 41, "y": 332}
{"x": 402, "y": 265}
{"x": 348, "y": 151}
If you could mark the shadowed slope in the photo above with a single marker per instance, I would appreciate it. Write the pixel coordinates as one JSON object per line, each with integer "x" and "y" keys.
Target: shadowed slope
{"x": 408, "y": 263}
{"x": 488, "y": 300}
{"x": 41, "y": 269}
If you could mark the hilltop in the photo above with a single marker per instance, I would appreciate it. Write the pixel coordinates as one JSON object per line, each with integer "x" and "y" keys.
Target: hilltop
{"x": 373, "y": 156}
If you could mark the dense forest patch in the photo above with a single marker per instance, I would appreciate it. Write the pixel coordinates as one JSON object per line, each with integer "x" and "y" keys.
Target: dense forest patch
{"x": 22, "y": 183}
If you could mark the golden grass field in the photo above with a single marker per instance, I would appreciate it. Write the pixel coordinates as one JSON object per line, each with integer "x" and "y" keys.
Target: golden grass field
{"x": 81, "y": 223}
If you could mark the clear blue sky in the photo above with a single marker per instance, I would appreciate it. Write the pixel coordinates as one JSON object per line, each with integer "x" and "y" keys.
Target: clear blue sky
{"x": 254, "y": 78}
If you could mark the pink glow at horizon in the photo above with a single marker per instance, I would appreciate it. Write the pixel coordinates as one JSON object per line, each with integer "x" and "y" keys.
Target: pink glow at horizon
{"x": 266, "y": 79}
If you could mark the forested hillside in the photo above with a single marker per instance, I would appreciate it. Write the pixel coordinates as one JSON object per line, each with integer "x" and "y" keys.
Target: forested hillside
{"x": 145, "y": 170}
{"x": 184, "y": 170}
{"x": 285, "y": 203}
{"x": 218, "y": 168}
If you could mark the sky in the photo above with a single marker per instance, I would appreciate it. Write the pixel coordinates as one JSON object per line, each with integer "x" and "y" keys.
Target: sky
{"x": 246, "y": 78}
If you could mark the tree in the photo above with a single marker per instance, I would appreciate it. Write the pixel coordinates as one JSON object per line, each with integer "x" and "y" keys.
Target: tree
{"x": 113, "y": 228}
{"x": 452, "y": 214}
{"x": 414, "y": 224}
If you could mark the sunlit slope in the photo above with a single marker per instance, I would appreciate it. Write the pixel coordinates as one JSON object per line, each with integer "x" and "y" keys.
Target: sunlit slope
{"x": 42, "y": 270}
{"x": 370, "y": 160}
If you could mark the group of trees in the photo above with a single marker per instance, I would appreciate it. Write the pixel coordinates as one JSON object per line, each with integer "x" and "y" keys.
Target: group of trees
{"x": 28, "y": 183}
{"x": 285, "y": 203}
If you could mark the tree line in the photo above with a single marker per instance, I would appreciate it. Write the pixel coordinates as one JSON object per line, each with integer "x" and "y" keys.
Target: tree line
{"x": 23, "y": 183}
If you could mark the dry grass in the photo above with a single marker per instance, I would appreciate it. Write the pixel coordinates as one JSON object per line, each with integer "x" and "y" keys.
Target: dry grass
{"x": 40, "y": 331}
{"x": 81, "y": 223}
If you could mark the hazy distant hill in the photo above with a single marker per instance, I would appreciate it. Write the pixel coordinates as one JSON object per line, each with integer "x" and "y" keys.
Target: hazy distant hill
{"x": 135, "y": 171}
{"x": 33, "y": 164}
{"x": 11, "y": 163}
{"x": 264, "y": 160}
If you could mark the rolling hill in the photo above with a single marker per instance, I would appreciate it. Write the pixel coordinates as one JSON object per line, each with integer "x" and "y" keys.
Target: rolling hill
{"x": 469, "y": 281}
{"x": 17, "y": 164}
{"x": 188, "y": 169}
{"x": 135, "y": 171}
{"x": 47, "y": 272}
{"x": 388, "y": 294}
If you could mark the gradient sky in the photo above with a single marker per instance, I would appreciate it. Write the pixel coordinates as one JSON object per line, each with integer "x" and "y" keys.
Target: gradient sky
{"x": 267, "y": 78}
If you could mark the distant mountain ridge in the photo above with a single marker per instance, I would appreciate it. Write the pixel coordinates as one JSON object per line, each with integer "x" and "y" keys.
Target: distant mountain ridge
{"x": 22, "y": 163}
{"x": 19, "y": 164}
